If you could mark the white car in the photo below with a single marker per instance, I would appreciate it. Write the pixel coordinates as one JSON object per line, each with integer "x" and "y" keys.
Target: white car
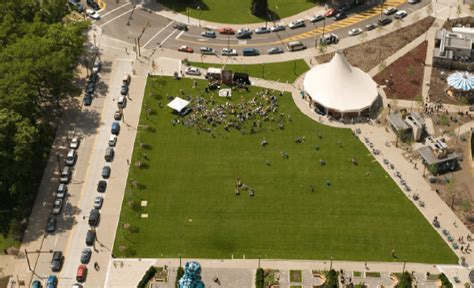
{"x": 74, "y": 143}
{"x": 112, "y": 140}
{"x": 277, "y": 28}
{"x": 92, "y": 14}
{"x": 390, "y": 10}
{"x": 229, "y": 52}
{"x": 401, "y": 14}
{"x": 316, "y": 18}
{"x": 296, "y": 24}
{"x": 262, "y": 30}
{"x": 96, "y": 67}
{"x": 57, "y": 206}
{"x": 192, "y": 71}
{"x": 207, "y": 51}
{"x": 244, "y": 30}
{"x": 354, "y": 31}
{"x": 98, "y": 201}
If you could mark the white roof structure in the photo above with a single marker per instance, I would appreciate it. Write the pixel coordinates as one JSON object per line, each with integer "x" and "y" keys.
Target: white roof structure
{"x": 212, "y": 70}
{"x": 339, "y": 86}
{"x": 178, "y": 104}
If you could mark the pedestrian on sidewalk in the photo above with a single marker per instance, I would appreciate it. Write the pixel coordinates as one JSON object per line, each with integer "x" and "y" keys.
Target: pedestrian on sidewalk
{"x": 462, "y": 249}
{"x": 467, "y": 247}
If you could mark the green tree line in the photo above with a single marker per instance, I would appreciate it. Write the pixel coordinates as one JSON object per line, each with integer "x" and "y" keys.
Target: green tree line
{"x": 39, "y": 51}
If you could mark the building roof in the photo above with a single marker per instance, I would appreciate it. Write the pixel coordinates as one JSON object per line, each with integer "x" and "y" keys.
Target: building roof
{"x": 430, "y": 158}
{"x": 178, "y": 104}
{"x": 339, "y": 86}
{"x": 397, "y": 121}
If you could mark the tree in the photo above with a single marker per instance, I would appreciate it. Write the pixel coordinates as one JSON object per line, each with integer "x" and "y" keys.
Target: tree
{"x": 405, "y": 281}
{"x": 259, "y": 8}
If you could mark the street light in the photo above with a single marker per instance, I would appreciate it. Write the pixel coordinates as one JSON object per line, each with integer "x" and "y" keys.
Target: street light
{"x": 330, "y": 265}
{"x": 199, "y": 9}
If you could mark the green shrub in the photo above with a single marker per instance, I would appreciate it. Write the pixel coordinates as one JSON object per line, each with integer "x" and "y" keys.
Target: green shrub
{"x": 445, "y": 281}
{"x": 147, "y": 277}
{"x": 404, "y": 281}
{"x": 331, "y": 279}
{"x": 179, "y": 274}
{"x": 259, "y": 278}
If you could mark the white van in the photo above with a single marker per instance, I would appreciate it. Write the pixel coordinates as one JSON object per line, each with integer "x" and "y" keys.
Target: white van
{"x": 71, "y": 157}
{"x": 295, "y": 46}
{"x": 122, "y": 101}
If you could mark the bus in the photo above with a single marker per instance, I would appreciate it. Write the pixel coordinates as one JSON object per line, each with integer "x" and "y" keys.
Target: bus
{"x": 295, "y": 46}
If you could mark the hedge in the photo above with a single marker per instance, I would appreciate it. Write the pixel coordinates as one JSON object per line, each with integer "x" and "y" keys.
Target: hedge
{"x": 445, "y": 281}
{"x": 404, "y": 281}
{"x": 259, "y": 278}
{"x": 179, "y": 274}
{"x": 147, "y": 277}
{"x": 331, "y": 279}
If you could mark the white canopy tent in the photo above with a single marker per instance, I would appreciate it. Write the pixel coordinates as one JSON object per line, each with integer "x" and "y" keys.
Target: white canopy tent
{"x": 339, "y": 87}
{"x": 178, "y": 104}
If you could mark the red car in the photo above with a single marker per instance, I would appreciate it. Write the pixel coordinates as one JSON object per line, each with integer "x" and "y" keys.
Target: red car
{"x": 331, "y": 12}
{"x": 81, "y": 273}
{"x": 227, "y": 31}
{"x": 186, "y": 49}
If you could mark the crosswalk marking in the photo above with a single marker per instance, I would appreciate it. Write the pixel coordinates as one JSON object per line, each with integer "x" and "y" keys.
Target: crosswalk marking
{"x": 375, "y": 11}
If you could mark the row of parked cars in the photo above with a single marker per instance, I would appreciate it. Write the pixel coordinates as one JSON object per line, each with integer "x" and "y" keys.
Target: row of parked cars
{"x": 91, "y": 83}
{"x": 90, "y": 12}
{"x": 398, "y": 14}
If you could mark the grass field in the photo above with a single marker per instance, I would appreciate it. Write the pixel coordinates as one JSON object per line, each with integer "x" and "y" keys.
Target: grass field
{"x": 279, "y": 71}
{"x": 188, "y": 180}
{"x": 236, "y": 11}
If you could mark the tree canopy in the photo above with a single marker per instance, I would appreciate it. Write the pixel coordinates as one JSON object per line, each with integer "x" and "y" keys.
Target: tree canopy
{"x": 38, "y": 55}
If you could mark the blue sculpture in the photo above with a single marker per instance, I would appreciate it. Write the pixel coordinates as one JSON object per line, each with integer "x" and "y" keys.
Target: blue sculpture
{"x": 192, "y": 276}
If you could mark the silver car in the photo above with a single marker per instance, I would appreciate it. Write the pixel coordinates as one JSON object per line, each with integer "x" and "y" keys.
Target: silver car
{"x": 229, "y": 52}
{"x": 98, "y": 201}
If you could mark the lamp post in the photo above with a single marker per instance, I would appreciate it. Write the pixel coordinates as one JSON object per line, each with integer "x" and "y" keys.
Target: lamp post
{"x": 179, "y": 259}
{"x": 259, "y": 261}
{"x": 330, "y": 265}
{"x": 199, "y": 9}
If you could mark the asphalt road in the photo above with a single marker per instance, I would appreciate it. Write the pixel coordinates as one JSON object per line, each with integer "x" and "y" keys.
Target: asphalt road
{"x": 129, "y": 23}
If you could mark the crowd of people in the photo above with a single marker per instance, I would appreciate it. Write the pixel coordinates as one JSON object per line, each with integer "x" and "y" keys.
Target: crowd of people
{"x": 245, "y": 116}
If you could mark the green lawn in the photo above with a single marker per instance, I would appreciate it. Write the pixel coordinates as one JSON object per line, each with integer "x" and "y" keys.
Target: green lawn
{"x": 236, "y": 11}
{"x": 279, "y": 71}
{"x": 7, "y": 241}
{"x": 188, "y": 180}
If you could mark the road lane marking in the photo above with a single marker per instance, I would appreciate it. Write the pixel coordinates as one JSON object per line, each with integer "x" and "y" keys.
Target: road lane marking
{"x": 113, "y": 10}
{"x": 115, "y": 18}
{"x": 181, "y": 33}
{"x": 157, "y": 33}
{"x": 102, "y": 4}
{"x": 168, "y": 37}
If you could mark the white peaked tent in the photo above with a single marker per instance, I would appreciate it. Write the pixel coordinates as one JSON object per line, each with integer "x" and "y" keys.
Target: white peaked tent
{"x": 340, "y": 88}
{"x": 178, "y": 104}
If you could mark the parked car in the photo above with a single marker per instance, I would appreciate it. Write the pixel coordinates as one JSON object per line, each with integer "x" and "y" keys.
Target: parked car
{"x": 181, "y": 26}
{"x": 36, "y": 284}
{"x": 262, "y": 30}
{"x": 86, "y": 255}
{"x": 106, "y": 172}
{"x": 122, "y": 100}
{"x": 330, "y": 12}
{"x": 51, "y": 224}
{"x": 227, "y": 31}
{"x": 371, "y": 26}
{"x": 340, "y": 16}
{"x": 81, "y": 274}
{"x": 207, "y": 51}
{"x": 57, "y": 206}
{"x": 71, "y": 157}
{"x": 77, "y": 285}
{"x": 384, "y": 21}
{"x": 250, "y": 52}
{"x": 92, "y": 14}
{"x": 243, "y": 34}
{"x": 90, "y": 88}
{"x": 329, "y": 38}
{"x": 229, "y": 52}
{"x": 87, "y": 100}
{"x": 316, "y": 18}
{"x": 275, "y": 50}
{"x": 76, "y": 5}
{"x": 400, "y": 14}
{"x": 115, "y": 128}
{"x": 126, "y": 79}
{"x": 96, "y": 67}
{"x": 98, "y": 201}
{"x": 390, "y": 11}
{"x": 90, "y": 237}
{"x": 344, "y": 7}
{"x": 52, "y": 281}
{"x": 277, "y": 28}
{"x": 184, "y": 48}
{"x": 94, "y": 217}
{"x": 192, "y": 71}
{"x": 61, "y": 191}
{"x": 112, "y": 140}
{"x": 208, "y": 34}
{"x": 74, "y": 142}
{"x": 413, "y": 1}
{"x": 65, "y": 175}
{"x": 93, "y": 4}
{"x": 101, "y": 186}
{"x": 297, "y": 24}
{"x": 109, "y": 154}
{"x": 57, "y": 261}
{"x": 354, "y": 31}
{"x": 94, "y": 77}
{"x": 124, "y": 90}
{"x": 117, "y": 115}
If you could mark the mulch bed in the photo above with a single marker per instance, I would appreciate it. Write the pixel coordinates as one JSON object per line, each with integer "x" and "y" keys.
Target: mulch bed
{"x": 404, "y": 77}
{"x": 369, "y": 54}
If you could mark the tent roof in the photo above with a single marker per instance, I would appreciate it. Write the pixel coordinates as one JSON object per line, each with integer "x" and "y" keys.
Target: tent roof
{"x": 339, "y": 86}
{"x": 212, "y": 70}
{"x": 178, "y": 104}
